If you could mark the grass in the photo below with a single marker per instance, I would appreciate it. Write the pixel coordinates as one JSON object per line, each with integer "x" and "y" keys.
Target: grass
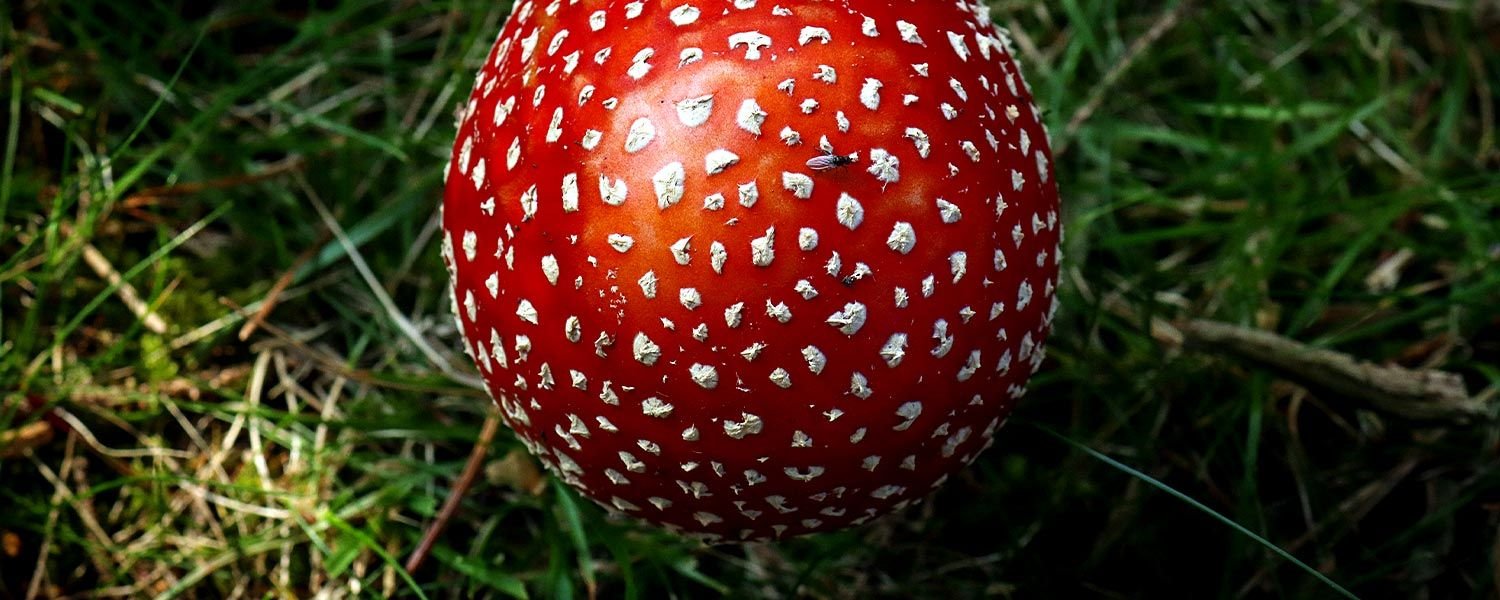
{"x": 1328, "y": 170}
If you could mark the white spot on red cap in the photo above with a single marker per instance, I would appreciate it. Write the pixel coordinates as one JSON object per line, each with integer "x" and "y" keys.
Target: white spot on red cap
{"x": 747, "y": 425}
{"x": 807, "y": 239}
{"x": 921, "y": 140}
{"x": 526, "y": 311}
{"x": 690, "y": 298}
{"x": 682, "y": 251}
{"x": 557, "y": 42}
{"x": 706, "y": 376}
{"x": 753, "y": 41}
{"x": 805, "y": 289}
{"x": 749, "y": 194}
{"x": 621, "y": 242}
{"x": 695, "y": 111}
{"x": 648, "y": 283}
{"x": 779, "y": 311}
{"x": 849, "y": 319}
{"x": 570, "y": 193}
{"x": 686, "y": 14}
{"x": 717, "y": 255}
{"x": 790, "y": 136}
{"x": 908, "y": 413}
{"x": 903, "y": 238}
{"x": 612, "y": 192}
{"x": 478, "y": 176}
{"x": 949, "y": 212}
{"x": 750, "y": 116}
{"x": 971, "y": 150}
{"x": 958, "y": 265}
{"x": 798, "y": 184}
{"x": 850, "y": 213}
{"x": 869, "y": 94}
{"x": 642, "y": 133}
{"x": 859, "y": 386}
{"x": 641, "y": 65}
{"x": 810, "y": 34}
{"x": 894, "y": 350}
{"x": 781, "y": 378}
{"x": 763, "y": 249}
{"x": 717, "y": 161}
{"x": 815, "y": 358}
{"x": 669, "y": 184}
{"x": 591, "y": 139}
{"x": 960, "y": 47}
{"x": 734, "y": 315}
{"x": 550, "y": 268}
{"x": 884, "y": 166}
{"x": 826, "y": 74}
{"x": 528, "y": 203}
{"x": 909, "y": 33}
{"x": 645, "y": 350}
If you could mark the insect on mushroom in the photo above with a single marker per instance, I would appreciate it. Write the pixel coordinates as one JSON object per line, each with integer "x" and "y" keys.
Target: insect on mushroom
{"x": 686, "y": 325}
{"x": 829, "y": 161}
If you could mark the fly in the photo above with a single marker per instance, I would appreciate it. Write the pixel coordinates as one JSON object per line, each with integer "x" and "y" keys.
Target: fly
{"x": 829, "y": 161}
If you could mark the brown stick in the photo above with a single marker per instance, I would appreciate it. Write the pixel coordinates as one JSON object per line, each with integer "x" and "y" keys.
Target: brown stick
{"x": 127, "y": 293}
{"x": 272, "y": 170}
{"x": 1416, "y": 394}
{"x": 16, "y": 442}
{"x": 274, "y": 296}
{"x": 456, "y": 495}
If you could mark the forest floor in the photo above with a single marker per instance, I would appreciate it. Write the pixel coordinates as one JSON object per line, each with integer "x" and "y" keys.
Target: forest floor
{"x": 227, "y": 367}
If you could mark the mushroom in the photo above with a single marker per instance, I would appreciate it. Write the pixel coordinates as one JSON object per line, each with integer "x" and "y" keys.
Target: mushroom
{"x": 752, "y": 269}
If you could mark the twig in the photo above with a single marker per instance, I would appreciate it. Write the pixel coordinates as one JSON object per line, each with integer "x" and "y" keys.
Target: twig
{"x": 124, "y": 290}
{"x": 456, "y": 495}
{"x": 15, "y": 442}
{"x": 1416, "y": 394}
{"x": 273, "y": 296}
{"x": 194, "y": 187}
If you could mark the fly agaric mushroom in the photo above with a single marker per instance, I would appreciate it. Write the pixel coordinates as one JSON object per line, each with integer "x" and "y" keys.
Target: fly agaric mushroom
{"x": 752, "y": 269}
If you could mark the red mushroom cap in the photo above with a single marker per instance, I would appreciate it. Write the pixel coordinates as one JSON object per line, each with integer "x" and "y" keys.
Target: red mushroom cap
{"x": 752, "y": 268}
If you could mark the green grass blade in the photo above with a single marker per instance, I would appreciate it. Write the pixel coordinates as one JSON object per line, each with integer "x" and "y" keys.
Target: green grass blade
{"x": 1201, "y": 507}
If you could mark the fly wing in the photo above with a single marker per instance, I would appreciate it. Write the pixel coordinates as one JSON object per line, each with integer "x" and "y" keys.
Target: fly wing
{"x": 823, "y": 163}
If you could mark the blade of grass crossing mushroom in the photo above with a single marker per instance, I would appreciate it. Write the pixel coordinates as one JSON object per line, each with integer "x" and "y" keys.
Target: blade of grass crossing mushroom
{"x": 401, "y": 322}
{"x": 1231, "y": 523}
